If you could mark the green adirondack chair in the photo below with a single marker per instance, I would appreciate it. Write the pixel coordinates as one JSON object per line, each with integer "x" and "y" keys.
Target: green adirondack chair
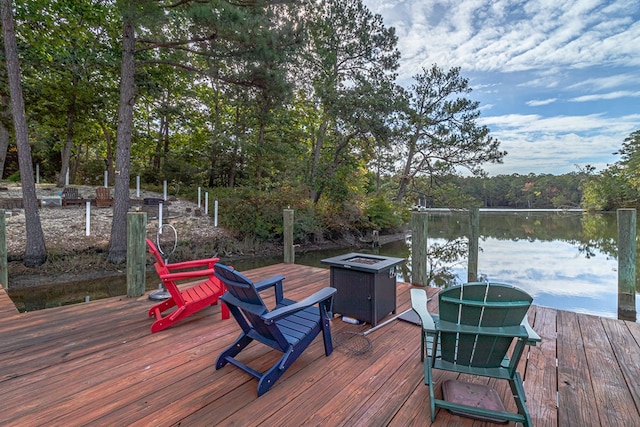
{"x": 473, "y": 334}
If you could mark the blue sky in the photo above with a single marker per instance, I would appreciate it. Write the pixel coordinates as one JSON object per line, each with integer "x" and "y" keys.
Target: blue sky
{"x": 558, "y": 81}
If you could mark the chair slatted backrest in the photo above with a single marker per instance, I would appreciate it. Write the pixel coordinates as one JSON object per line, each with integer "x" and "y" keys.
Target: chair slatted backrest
{"x": 253, "y": 307}
{"x": 70, "y": 193}
{"x": 479, "y": 322}
{"x": 103, "y": 193}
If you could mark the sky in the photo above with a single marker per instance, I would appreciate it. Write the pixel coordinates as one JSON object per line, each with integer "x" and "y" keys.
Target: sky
{"x": 558, "y": 81}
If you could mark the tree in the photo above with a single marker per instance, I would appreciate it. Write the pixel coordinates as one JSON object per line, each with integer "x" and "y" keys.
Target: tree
{"x": 630, "y": 158}
{"x": 618, "y": 185}
{"x": 228, "y": 41}
{"x": 350, "y": 62}
{"x": 35, "y": 251}
{"x": 118, "y": 239}
{"x": 442, "y": 133}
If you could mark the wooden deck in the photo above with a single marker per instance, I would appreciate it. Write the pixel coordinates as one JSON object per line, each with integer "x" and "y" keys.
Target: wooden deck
{"x": 98, "y": 364}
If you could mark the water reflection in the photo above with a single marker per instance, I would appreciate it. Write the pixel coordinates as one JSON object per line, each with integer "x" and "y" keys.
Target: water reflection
{"x": 566, "y": 262}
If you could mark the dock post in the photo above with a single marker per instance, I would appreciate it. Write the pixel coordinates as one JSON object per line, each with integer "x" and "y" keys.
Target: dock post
{"x": 474, "y": 232}
{"x": 136, "y": 253}
{"x": 287, "y": 230}
{"x": 419, "y": 249}
{"x": 626, "y": 264}
{"x": 4, "y": 273}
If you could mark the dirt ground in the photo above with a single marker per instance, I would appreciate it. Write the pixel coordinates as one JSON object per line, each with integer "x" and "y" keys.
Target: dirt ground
{"x": 74, "y": 253}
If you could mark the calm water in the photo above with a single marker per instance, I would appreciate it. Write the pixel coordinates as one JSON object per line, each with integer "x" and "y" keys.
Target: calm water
{"x": 565, "y": 261}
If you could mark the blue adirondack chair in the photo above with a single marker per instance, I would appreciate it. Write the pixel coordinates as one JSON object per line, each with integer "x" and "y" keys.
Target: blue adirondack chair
{"x": 289, "y": 328}
{"x": 475, "y": 329}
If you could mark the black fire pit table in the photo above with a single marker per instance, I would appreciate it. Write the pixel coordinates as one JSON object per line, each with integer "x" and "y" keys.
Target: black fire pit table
{"x": 366, "y": 285}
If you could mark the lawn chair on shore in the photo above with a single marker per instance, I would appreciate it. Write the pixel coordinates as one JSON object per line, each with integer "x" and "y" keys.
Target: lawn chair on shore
{"x": 103, "y": 197}
{"x": 190, "y": 300}
{"x": 71, "y": 197}
{"x": 477, "y": 325}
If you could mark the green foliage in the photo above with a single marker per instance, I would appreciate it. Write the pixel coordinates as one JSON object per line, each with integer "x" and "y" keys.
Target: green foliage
{"x": 382, "y": 214}
{"x": 609, "y": 190}
{"x": 14, "y": 177}
{"x": 617, "y": 186}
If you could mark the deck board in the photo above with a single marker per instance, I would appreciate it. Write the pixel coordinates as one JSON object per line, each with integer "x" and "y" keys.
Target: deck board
{"x": 97, "y": 363}
{"x": 7, "y": 307}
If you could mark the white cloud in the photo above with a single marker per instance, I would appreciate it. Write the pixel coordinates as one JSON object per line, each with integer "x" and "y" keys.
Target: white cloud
{"x": 610, "y": 95}
{"x": 536, "y": 144}
{"x": 538, "y": 103}
{"x": 607, "y": 82}
{"x": 484, "y": 35}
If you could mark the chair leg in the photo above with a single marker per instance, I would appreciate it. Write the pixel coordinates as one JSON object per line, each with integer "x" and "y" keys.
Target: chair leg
{"x": 161, "y": 306}
{"x": 518, "y": 394}
{"x": 326, "y": 329}
{"x": 233, "y": 350}
{"x": 165, "y": 322}
{"x": 270, "y": 377}
{"x": 225, "y": 311}
{"x": 326, "y": 337}
{"x": 428, "y": 380}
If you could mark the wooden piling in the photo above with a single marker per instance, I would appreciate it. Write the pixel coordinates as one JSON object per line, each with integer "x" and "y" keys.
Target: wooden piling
{"x": 626, "y": 264}
{"x": 4, "y": 273}
{"x": 136, "y": 253}
{"x": 474, "y": 232}
{"x": 419, "y": 262}
{"x": 289, "y": 250}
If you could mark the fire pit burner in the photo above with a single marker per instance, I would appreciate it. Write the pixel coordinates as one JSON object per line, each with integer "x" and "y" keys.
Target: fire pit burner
{"x": 363, "y": 260}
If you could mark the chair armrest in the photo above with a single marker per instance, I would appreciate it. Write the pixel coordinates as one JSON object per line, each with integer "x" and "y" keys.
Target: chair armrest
{"x": 419, "y": 304}
{"x": 266, "y": 283}
{"x": 184, "y": 275}
{"x": 276, "y": 283}
{"x": 320, "y": 296}
{"x": 208, "y": 263}
{"x": 533, "y": 336}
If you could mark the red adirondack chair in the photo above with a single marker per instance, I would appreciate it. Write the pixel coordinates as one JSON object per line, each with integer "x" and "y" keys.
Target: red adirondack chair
{"x": 189, "y": 300}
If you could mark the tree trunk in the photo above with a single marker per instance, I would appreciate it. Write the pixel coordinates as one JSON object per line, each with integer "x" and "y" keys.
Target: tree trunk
{"x": 315, "y": 163}
{"x": 406, "y": 173}
{"x": 68, "y": 145}
{"x": 35, "y": 252}
{"x": 118, "y": 242}
{"x": 4, "y": 145}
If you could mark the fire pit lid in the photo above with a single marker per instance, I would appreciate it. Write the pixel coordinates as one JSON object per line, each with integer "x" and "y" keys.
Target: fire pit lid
{"x": 363, "y": 262}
